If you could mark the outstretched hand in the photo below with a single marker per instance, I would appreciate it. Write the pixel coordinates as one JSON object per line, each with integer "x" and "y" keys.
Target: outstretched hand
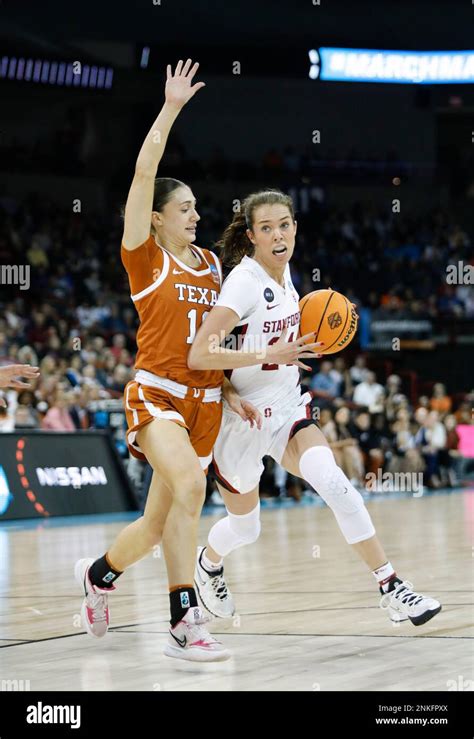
{"x": 11, "y": 371}
{"x": 179, "y": 88}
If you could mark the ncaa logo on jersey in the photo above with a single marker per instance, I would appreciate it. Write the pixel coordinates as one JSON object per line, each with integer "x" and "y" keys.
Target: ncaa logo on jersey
{"x": 214, "y": 273}
{"x": 268, "y": 295}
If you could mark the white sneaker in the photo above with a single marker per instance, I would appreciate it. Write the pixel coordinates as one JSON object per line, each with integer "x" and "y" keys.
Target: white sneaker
{"x": 190, "y": 640}
{"x": 212, "y": 590}
{"x": 403, "y": 603}
{"x": 95, "y": 611}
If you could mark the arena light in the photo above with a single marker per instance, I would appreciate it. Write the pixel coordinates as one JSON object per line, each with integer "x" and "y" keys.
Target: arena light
{"x": 48, "y": 72}
{"x": 315, "y": 68}
{"x": 145, "y": 57}
{"x": 406, "y": 67}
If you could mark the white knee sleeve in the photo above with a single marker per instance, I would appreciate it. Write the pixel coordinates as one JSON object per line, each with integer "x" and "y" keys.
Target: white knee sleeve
{"x": 235, "y": 531}
{"x": 319, "y": 468}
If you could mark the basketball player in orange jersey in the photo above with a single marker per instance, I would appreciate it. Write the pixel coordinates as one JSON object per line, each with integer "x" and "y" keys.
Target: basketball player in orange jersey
{"x": 259, "y": 304}
{"x": 173, "y": 413}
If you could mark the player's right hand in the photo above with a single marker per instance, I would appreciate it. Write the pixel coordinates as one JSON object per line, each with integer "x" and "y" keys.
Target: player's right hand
{"x": 292, "y": 352}
{"x": 11, "y": 371}
{"x": 178, "y": 88}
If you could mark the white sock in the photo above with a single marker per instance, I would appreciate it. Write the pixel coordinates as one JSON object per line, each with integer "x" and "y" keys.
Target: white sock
{"x": 208, "y": 564}
{"x": 383, "y": 575}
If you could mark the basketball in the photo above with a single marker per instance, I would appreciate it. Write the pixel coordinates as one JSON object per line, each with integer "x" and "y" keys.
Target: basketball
{"x": 331, "y": 317}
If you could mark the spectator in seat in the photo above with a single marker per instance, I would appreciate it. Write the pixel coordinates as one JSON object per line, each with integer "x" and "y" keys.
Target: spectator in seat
{"x": 74, "y": 371}
{"x": 25, "y": 412}
{"x": 440, "y": 401}
{"x": 464, "y": 413}
{"x": 456, "y": 469}
{"x": 78, "y": 409}
{"x": 406, "y": 457}
{"x": 369, "y": 443}
{"x": 429, "y": 439}
{"x": 392, "y": 395}
{"x": 120, "y": 378}
{"x": 106, "y": 371}
{"x": 58, "y": 417}
{"x": 358, "y": 372}
{"x": 370, "y": 394}
{"x": 119, "y": 342}
{"x": 346, "y": 448}
{"x": 323, "y": 384}
{"x": 423, "y": 402}
{"x": 7, "y": 421}
{"x": 342, "y": 376}
{"x": 26, "y": 418}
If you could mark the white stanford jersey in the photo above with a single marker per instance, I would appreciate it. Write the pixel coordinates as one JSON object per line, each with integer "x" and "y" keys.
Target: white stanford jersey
{"x": 265, "y": 308}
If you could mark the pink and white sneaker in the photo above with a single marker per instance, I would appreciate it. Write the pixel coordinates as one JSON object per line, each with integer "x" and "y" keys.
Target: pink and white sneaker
{"x": 95, "y": 610}
{"x": 190, "y": 640}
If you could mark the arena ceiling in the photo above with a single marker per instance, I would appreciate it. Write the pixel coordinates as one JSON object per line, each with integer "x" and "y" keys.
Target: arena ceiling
{"x": 402, "y": 24}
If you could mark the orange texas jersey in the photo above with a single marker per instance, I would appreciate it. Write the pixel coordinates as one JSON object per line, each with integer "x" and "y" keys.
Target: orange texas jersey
{"x": 171, "y": 299}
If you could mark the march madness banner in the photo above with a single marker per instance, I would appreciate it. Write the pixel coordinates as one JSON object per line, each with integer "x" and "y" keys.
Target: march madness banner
{"x": 46, "y": 474}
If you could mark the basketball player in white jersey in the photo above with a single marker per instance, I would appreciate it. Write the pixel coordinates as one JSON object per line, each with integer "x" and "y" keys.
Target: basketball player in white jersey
{"x": 258, "y": 305}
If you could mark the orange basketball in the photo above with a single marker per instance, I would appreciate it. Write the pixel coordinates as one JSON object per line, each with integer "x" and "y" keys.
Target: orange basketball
{"x": 331, "y": 317}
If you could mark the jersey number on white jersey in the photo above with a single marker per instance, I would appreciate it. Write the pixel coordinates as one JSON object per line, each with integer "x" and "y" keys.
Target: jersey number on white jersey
{"x": 291, "y": 337}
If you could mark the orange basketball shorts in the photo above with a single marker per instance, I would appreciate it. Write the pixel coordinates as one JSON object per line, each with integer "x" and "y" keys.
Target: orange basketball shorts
{"x": 202, "y": 419}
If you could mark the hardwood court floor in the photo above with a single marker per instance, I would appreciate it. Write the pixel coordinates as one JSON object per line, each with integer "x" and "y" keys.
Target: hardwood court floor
{"x": 308, "y": 609}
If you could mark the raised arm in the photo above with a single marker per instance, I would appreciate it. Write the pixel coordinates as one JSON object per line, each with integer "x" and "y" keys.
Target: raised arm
{"x": 179, "y": 89}
{"x": 206, "y": 351}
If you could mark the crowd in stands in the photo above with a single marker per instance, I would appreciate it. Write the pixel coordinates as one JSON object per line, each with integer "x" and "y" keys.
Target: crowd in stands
{"x": 73, "y": 144}
{"x": 373, "y": 425}
{"x": 77, "y": 323}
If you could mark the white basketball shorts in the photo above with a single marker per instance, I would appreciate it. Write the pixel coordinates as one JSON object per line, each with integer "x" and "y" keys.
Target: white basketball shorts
{"x": 239, "y": 449}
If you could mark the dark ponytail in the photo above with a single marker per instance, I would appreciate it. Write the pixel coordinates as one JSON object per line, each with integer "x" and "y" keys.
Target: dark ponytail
{"x": 235, "y": 244}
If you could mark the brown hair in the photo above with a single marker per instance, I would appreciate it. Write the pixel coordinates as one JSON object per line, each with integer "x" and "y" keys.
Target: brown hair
{"x": 163, "y": 190}
{"x": 234, "y": 244}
